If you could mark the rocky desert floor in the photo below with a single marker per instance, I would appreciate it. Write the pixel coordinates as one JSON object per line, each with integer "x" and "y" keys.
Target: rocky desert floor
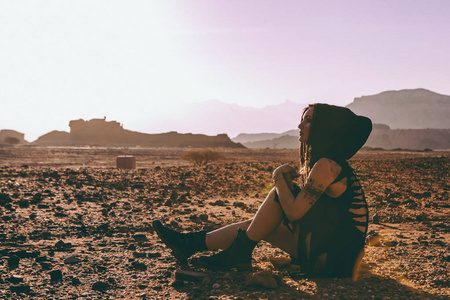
{"x": 72, "y": 226}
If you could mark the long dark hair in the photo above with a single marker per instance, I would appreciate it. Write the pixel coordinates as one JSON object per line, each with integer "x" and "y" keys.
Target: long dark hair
{"x": 305, "y": 151}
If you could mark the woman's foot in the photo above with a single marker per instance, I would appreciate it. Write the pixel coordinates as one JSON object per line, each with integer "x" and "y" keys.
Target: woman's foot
{"x": 183, "y": 245}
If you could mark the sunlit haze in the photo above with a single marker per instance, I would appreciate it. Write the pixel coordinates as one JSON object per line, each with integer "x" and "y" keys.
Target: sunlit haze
{"x": 139, "y": 61}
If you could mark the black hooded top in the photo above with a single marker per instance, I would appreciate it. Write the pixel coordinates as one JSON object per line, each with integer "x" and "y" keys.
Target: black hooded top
{"x": 337, "y": 133}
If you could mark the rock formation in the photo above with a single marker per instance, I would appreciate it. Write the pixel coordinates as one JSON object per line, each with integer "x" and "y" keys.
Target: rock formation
{"x": 11, "y": 137}
{"x": 99, "y": 132}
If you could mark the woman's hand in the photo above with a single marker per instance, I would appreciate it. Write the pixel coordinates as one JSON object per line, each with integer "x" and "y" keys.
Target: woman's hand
{"x": 288, "y": 173}
{"x": 283, "y": 169}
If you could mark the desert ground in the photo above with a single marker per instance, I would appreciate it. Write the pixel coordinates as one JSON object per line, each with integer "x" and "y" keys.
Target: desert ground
{"x": 75, "y": 227}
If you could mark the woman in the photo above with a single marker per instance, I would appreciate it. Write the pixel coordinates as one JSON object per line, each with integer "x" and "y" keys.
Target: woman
{"x": 321, "y": 225}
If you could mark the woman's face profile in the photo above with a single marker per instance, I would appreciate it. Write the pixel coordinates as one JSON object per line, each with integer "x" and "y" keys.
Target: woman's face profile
{"x": 305, "y": 125}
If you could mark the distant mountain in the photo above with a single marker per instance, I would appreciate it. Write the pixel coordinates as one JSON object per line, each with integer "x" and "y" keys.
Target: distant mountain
{"x": 99, "y": 132}
{"x": 11, "y": 137}
{"x": 416, "y": 119}
{"x": 257, "y": 137}
{"x": 215, "y": 117}
{"x": 381, "y": 137}
{"x": 384, "y": 137}
{"x": 405, "y": 109}
{"x": 281, "y": 142}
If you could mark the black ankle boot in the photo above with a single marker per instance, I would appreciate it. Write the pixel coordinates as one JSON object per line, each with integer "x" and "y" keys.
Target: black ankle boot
{"x": 238, "y": 255}
{"x": 183, "y": 245}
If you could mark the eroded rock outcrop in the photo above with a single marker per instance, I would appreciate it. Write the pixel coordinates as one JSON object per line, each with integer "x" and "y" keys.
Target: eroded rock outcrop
{"x": 11, "y": 137}
{"x": 99, "y": 132}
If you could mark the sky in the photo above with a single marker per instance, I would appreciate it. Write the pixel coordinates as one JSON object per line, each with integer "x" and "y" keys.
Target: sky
{"x": 138, "y": 61}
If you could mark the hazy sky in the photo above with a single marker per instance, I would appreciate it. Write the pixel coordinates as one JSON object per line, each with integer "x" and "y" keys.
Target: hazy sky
{"x": 135, "y": 61}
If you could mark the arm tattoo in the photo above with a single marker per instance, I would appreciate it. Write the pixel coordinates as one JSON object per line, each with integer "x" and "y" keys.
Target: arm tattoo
{"x": 312, "y": 192}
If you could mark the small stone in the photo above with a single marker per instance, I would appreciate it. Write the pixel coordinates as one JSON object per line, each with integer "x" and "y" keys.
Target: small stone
{"x": 13, "y": 262}
{"x": 153, "y": 254}
{"x": 139, "y": 254}
{"x": 101, "y": 286}
{"x": 373, "y": 239}
{"x": 46, "y": 265}
{"x": 185, "y": 275}
{"x": 21, "y": 288}
{"x": 55, "y": 275}
{"x": 139, "y": 266}
{"x": 203, "y": 217}
{"x": 263, "y": 278}
{"x": 140, "y": 237}
{"x": 216, "y": 286}
{"x": 279, "y": 262}
{"x": 72, "y": 260}
{"x": 390, "y": 243}
{"x": 15, "y": 279}
{"x": 375, "y": 219}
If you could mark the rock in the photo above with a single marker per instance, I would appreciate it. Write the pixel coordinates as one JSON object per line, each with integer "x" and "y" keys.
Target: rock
{"x": 5, "y": 199}
{"x": 55, "y": 275}
{"x": 184, "y": 275}
{"x": 15, "y": 279}
{"x": 375, "y": 219}
{"x": 153, "y": 254}
{"x": 72, "y": 260}
{"x": 13, "y": 262}
{"x": 139, "y": 266}
{"x": 218, "y": 203}
{"x": 203, "y": 217}
{"x": 140, "y": 237}
{"x": 279, "y": 262}
{"x": 46, "y": 265}
{"x": 390, "y": 243}
{"x": 139, "y": 254}
{"x": 21, "y": 288}
{"x": 373, "y": 239}
{"x": 263, "y": 278}
{"x": 101, "y": 286}
{"x": 61, "y": 246}
{"x": 216, "y": 286}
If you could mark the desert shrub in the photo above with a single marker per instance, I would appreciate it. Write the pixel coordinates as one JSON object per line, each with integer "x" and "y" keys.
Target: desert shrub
{"x": 12, "y": 140}
{"x": 201, "y": 157}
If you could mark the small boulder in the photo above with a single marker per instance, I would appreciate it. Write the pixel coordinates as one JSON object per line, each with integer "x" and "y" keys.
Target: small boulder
{"x": 264, "y": 278}
{"x": 72, "y": 260}
{"x": 55, "y": 275}
{"x": 101, "y": 286}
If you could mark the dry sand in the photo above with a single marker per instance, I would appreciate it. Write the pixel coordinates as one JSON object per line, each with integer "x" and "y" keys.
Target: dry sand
{"x": 68, "y": 214}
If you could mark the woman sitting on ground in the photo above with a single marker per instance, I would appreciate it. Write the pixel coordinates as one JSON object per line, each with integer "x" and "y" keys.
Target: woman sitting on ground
{"x": 322, "y": 225}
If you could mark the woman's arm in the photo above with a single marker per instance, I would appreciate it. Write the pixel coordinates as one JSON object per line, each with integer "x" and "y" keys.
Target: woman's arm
{"x": 322, "y": 175}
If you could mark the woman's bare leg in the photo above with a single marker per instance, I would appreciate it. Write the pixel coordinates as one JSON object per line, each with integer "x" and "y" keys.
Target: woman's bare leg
{"x": 267, "y": 219}
{"x": 265, "y": 225}
{"x": 223, "y": 237}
